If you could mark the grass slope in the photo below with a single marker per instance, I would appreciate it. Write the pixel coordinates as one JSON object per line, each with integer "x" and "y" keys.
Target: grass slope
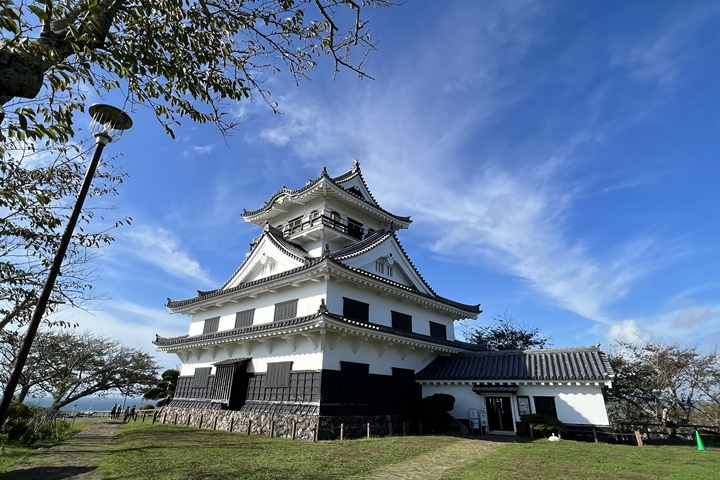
{"x": 567, "y": 459}
{"x": 146, "y": 451}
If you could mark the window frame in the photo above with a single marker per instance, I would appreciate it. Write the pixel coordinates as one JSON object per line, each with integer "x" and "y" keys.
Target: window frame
{"x": 280, "y": 314}
{"x": 551, "y": 401}
{"x": 347, "y": 302}
{"x": 211, "y": 325}
{"x": 201, "y": 377}
{"x": 520, "y": 407}
{"x": 278, "y": 374}
{"x": 397, "y": 320}
{"x": 249, "y": 312}
{"x": 434, "y": 326}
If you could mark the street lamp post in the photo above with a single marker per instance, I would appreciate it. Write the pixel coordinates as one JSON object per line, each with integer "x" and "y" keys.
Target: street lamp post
{"x": 108, "y": 124}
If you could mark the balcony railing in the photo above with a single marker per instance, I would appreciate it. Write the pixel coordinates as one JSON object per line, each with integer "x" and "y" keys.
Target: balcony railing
{"x": 350, "y": 228}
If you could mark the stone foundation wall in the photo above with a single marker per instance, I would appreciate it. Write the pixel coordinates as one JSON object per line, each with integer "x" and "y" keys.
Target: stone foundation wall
{"x": 255, "y": 423}
{"x": 261, "y": 423}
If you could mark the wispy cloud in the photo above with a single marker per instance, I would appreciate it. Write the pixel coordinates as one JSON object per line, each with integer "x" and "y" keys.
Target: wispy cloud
{"x": 158, "y": 246}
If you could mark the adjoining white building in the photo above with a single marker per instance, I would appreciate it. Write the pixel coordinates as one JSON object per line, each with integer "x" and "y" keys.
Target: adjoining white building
{"x": 328, "y": 321}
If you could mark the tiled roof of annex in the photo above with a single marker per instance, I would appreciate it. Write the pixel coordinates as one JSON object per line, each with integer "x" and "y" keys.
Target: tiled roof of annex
{"x": 336, "y": 180}
{"x": 308, "y": 319}
{"x": 562, "y": 364}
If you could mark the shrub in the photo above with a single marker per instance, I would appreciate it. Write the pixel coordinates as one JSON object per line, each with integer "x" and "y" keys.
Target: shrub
{"x": 432, "y": 412}
{"x": 540, "y": 422}
{"x": 18, "y": 419}
{"x": 148, "y": 406}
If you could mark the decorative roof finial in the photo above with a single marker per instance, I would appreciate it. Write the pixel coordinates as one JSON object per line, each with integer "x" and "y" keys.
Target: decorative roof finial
{"x": 323, "y": 307}
{"x": 356, "y": 165}
{"x": 266, "y": 227}
{"x": 326, "y": 250}
{"x": 324, "y": 171}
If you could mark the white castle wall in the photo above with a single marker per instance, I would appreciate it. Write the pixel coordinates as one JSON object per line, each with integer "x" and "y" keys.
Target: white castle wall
{"x": 583, "y": 405}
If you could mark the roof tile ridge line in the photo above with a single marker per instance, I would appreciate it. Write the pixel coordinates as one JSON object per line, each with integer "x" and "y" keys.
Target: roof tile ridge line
{"x": 245, "y": 260}
{"x": 284, "y": 248}
{"x": 402, "y": 249}
{"x": 254, "y": 328}
{"x": 357, "y": 172}
{"x": 375, "y": 205}
{"x": 438, "y": 298}
{"x": 310, "y": 263}
{"x": 381, "y": 238}
{"x": 285, "y": 191}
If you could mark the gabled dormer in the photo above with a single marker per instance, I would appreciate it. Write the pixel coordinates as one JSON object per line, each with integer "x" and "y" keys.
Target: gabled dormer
{"x": 270, "y": 254}
{"x": 382, "y": 255}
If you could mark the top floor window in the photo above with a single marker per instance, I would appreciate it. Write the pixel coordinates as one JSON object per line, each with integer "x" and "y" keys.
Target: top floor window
{"x": 354, "y": 228}
{"x": 211, "y": 325}
{"x": 355, "y": 310}
{"x": 401, "y": 321}
{"x": 438, "y": 330}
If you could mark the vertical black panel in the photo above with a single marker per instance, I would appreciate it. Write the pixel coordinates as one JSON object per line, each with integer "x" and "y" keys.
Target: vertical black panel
{"x": 438, "y": 330}
{"x": 545, "y": 405}
{"x": 355, "y": 310}
{"x": 354, "y": 382}
{"x": 401, "y": 321}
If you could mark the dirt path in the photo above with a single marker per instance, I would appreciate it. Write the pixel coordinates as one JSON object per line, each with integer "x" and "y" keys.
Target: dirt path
{"x": 76, "y": 457}
{"x": 432, "y": 465}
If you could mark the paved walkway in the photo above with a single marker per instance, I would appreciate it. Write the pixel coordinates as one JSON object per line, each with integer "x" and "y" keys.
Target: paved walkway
{"x": 77, "y": 457}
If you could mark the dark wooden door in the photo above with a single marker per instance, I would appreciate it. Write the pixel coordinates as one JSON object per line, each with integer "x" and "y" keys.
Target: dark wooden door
{"x": 499, "y": 413}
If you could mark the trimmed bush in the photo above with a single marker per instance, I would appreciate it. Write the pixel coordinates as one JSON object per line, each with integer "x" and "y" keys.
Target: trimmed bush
{"x": 545, "y": 424}
{"x": 432, "y": 412}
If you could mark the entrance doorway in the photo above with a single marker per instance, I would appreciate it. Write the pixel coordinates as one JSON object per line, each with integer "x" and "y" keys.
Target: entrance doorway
{"x": 499, "y": 414}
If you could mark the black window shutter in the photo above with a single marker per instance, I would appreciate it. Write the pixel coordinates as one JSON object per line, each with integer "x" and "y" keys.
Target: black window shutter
{"x": 284, "y": 310}
{"x": 545, "y": 405}
{"x": 244, "y": 318}
{"x": 401, "y": 321}
{"x": 278, "y": 374}
{"x": 200, "y": 377}
{"x": 438, "y": 330}
{"x": 355, "y": 310}
{"x": 211, "y": 325}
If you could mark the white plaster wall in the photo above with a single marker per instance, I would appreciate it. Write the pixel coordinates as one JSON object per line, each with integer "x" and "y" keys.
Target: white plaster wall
{"x": 581, "y": 404}
{"x": 380, "y": 308}
{"x": 369, "y": 353}
{"x": 309, "y": 295}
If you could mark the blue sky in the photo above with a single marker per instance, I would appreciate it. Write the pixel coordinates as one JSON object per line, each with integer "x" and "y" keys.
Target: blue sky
{"x": 559, "y": 159}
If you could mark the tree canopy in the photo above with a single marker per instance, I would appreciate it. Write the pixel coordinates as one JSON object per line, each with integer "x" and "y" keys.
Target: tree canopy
{"x": 68, "y": 366}
{"x": 164, "y": 390}
{"x": 506, "y": 334}
{"x": 181, "y": 58}
{"x": 657, "y": 382}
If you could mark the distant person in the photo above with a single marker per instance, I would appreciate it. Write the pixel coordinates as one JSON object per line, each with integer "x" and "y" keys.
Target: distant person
{"x": 132, "y": 412}
{"x": 127, "y": 413}
{"x": 112, "y": 411}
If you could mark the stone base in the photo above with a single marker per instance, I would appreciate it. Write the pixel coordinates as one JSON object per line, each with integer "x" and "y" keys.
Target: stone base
{"x": 307, "y": 427}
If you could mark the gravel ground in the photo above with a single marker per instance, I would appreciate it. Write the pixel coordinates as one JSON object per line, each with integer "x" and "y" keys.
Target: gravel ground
{"x": 76, "y": 457}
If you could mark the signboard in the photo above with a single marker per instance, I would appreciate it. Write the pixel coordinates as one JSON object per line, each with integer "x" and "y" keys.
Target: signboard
{"x": 474, "y": 417}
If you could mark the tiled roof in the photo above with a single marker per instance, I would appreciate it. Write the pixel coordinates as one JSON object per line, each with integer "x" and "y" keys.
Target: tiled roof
{"x": 281, "y": 325}
{"x": 473, "y": 309}
{"x": 324, "y": 175}
{"x": 371, "y": 242}
{"x": 584, "y": 363}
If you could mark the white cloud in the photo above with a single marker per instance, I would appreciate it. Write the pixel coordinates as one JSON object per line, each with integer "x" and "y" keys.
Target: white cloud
{"x": 158, "y": 246}
{"x": 203, "y": 149}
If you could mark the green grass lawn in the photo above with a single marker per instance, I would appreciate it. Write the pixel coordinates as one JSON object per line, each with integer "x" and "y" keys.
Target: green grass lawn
{"x": 143, "y": 450}
{"x": 568, "y": 459}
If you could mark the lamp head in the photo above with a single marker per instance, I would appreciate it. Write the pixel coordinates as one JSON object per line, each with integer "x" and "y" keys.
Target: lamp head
{"x": 108, "y": 122}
